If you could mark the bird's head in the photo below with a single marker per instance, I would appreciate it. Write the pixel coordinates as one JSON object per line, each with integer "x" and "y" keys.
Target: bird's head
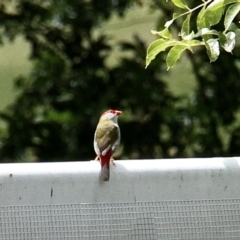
{"x": 111, "y": 115}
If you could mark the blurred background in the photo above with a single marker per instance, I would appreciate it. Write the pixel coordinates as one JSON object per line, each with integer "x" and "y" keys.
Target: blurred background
{"x": 63, "y": 63}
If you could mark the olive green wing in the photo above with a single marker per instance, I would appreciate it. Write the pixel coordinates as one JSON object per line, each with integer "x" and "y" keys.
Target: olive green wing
{"x": 106, "y": 135}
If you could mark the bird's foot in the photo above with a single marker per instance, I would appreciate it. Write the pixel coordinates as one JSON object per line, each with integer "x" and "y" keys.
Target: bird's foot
{"x": 112, "y": 161}
{"x": 97, "y": 158}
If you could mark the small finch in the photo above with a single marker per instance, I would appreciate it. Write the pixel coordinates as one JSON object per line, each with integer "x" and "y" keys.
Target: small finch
{"x": 106, "y": 140}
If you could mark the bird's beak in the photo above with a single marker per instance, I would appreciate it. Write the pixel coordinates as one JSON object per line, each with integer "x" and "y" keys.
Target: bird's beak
{"x": 118, "y": 112}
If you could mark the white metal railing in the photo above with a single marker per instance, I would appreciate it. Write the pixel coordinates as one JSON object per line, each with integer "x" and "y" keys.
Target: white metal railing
{"x": 144, "y": 199}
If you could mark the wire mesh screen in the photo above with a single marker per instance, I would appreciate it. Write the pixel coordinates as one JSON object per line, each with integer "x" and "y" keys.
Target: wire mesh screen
{"x": 193, "y": 219}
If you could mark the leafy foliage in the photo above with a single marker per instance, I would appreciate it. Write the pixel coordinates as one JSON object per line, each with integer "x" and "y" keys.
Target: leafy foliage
{"x": 56, "y": 112}
{"x": 210, "y": 15}
{"x": 59, "y": 103}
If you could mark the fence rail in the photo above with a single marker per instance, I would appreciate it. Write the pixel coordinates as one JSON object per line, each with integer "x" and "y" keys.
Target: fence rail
{"x": 144, "y": 199}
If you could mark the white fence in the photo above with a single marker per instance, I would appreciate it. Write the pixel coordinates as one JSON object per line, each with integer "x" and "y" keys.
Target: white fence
{"x": 151, "y": 199}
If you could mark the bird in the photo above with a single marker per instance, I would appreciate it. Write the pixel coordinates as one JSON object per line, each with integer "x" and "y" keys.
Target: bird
{"x": 106, "y": 140}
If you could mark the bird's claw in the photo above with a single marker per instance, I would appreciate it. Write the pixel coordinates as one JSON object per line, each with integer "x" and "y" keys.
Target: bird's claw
{"x": 112, "y": 161}
{"x": 97, "y": 158}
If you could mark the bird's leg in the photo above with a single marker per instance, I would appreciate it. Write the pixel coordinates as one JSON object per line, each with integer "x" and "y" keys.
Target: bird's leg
{"x": 97, "y": 158}
{"x": 112, "y": 161}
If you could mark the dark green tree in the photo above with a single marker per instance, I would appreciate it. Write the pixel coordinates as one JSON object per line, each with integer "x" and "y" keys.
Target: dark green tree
{"x": 59, "y": 103}
{"x": 55, "y": 114}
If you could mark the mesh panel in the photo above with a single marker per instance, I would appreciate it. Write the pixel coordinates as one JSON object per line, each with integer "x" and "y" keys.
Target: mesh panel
{"x": 188, "y": 220}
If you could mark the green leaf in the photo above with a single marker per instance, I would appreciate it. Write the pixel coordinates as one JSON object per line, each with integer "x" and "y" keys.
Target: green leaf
{"x": 185, "y": 30}
{"x": 214, "y": 5}
{"x": 206, "y": 31}
{"x": 192, "y": 43}
{"x": 189, "y": 36}
{"x": 168, "y": 23}
{"x": 234, "y": 28}
{"x": 180, "y": 4}
{"x": 155, "y": 48}
{"x": 229, "y": 42}
{"x": 164, "y": 33}
{"x": 230, "y": 1}
{"x": 160, "y": 45}
{"x": 176, "y": 15}
{"x": 222, "y": 38}
{"x": 213, "y": 16}
{"x": 174, "y": 54}
{"x": 231, "y": 13}
{"x": 213, "y": 51}
{"x": 201, "y": 21}
{"x": 217, "y": 6}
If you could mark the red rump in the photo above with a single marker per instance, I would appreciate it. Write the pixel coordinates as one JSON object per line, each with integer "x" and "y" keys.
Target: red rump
{"x": 105, "y": 161}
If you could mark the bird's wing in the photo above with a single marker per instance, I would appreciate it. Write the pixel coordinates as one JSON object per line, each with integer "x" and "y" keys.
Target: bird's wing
{"x": 106, "y": 136}
{"x": 116, "y": 144}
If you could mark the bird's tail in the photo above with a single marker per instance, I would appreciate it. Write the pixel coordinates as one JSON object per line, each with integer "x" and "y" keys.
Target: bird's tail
{"x": 105, "y": 168}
